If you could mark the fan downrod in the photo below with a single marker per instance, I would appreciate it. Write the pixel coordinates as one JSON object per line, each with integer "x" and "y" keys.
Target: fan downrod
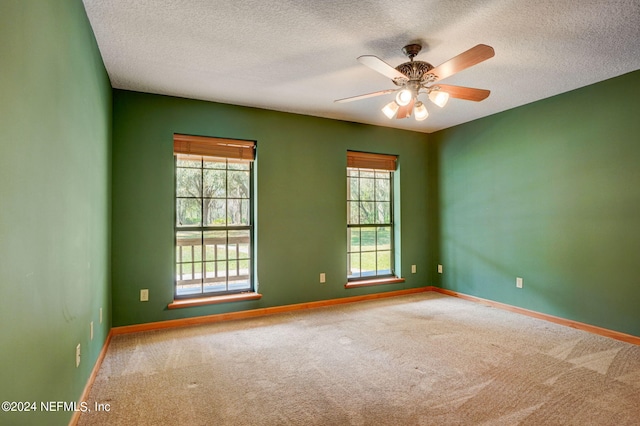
{"x": 411, "y": 50}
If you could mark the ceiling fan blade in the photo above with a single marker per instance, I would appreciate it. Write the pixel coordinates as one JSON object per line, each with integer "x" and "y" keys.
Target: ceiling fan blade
{"x": 467, "y": 59}
{"x": 381, "y": 66}
{"x": 405, "y": 111}
{"x": 368, "y": 95}
{"x": 466, "y": 93}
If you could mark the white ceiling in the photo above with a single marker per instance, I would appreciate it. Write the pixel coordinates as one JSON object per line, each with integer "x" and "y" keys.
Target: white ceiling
{"x": 300, "y": 55}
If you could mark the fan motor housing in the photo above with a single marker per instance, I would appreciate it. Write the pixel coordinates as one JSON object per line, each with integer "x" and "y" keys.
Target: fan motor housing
{"x": 414, "y": 70}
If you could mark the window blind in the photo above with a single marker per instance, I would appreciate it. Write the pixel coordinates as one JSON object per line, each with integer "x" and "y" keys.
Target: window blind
{"x": 366, "y": 160}
{"x": 214, "y": 147}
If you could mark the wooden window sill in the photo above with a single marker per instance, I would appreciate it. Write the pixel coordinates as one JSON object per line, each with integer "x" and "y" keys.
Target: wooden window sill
{"x": 212, "y": 300}
{"x": 378, "y": 281}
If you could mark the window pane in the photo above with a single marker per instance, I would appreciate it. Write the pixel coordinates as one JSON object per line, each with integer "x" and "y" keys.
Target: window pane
{"x": 184, "y": 289}
{"x": 184, "y": 160}
{"x": 244, "y": 251}
{"x": 368, "y": 239}
{"x": 353, "y": 172}
{"x": 352, "y": 188}
{"x": 367, "y": 212}
{"x": 188, "y": 182}
{"x": 197, "y": 270}
{"x": 210, "y": 252}
{"x": 239, "y": 284}
{"x": 221, "y": 250}
{"x": 239, "y": 235}
{"x": 215, "y": 243}
{"x": 384, "y": 238}
{"x": 184, "y": 254}
{"x": 244, "y": 267}
{"x": 353, "y": 235}
{"x": 232, "y": 267}
{"x": 383, "y": 212}
{"x": 232, "y": 251}
{"x": 197, "y": 253}
{"x": 367, "y": 173}
{"x": 187, "y": 271}
{"x": 353, "y": 211}
{"x": 238, "y": 184}
{"x": 216, "y": 212}
{"x": 188, "y": 237}
{"x": 238, "y": 212}
{"x": 383, "y": 189}
{"x": 367, "y": 189}
{"x": 384, "y": 263}
{"x": 209, "y": 270}
{"x": 188, "y": 212}
{"x": 368, "y": 264}
{"x": 353, "y": 265}
{"x": 221, "y": 268}
{"x": 215, "y": 286}
{"x": 214, "y": 163}
{"x": 242, "y": 243}
{"x": 215, "y": 184}
{"x": 239, "y": 165}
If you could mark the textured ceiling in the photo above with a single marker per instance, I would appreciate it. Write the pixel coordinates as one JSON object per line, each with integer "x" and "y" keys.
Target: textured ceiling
{"x": 300, "y": 55}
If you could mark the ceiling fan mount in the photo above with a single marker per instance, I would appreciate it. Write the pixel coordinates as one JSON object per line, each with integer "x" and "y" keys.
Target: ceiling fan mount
{"x": 411, "y": 50}
{"x": 413, "y": 76}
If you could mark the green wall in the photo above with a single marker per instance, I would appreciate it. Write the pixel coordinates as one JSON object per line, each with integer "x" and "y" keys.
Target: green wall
{"x": 301, "y": 191}
{"x": 55, "y": 117}
{"x": 548, "y": 192}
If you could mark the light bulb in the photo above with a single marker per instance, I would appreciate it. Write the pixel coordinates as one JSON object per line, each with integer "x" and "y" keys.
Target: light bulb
{"x": 439, "y": 98}
{"x": 420, "y": 111}
{"x": 404, "y": 97}
{"x": 390, "y": 109}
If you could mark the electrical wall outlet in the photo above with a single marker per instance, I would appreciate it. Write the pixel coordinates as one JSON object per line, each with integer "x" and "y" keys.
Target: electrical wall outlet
{"x": 100, "y": 315}
{"x": 413, "y": 269}
{"x": 144, "y": 295}
{"x": 439, "y": 269}
{"x": 91, "y": 330}
{"x": 78, "y": 355}
{"x": 519, "y": 282}
{"x": 323, "y": 277}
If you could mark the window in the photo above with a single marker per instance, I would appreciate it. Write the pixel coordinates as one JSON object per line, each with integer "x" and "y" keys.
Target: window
{"x": 213, "y": 216}
{"x": 370, "y": 215}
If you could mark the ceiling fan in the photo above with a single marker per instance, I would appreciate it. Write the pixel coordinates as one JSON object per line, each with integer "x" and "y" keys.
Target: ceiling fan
{"x": 417, "y": 77}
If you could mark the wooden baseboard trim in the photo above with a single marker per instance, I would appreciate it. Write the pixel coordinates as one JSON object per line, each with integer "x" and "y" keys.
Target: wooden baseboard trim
{"x": 92, "y": 377}
{"x": 551, "y": 318}
{"x": 183, "y": 322}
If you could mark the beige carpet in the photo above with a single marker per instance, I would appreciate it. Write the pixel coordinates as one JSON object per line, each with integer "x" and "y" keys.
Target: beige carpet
{"x": 425, "y": 359}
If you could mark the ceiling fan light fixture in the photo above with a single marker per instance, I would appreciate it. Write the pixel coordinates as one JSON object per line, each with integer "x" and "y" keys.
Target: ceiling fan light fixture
{"x": 420, "y": 111}
{"x": 390, "y": 109}
{"x": 439, "y": 98}
{"x": 404, "y": 97}
{"x": 410, "y": 77}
